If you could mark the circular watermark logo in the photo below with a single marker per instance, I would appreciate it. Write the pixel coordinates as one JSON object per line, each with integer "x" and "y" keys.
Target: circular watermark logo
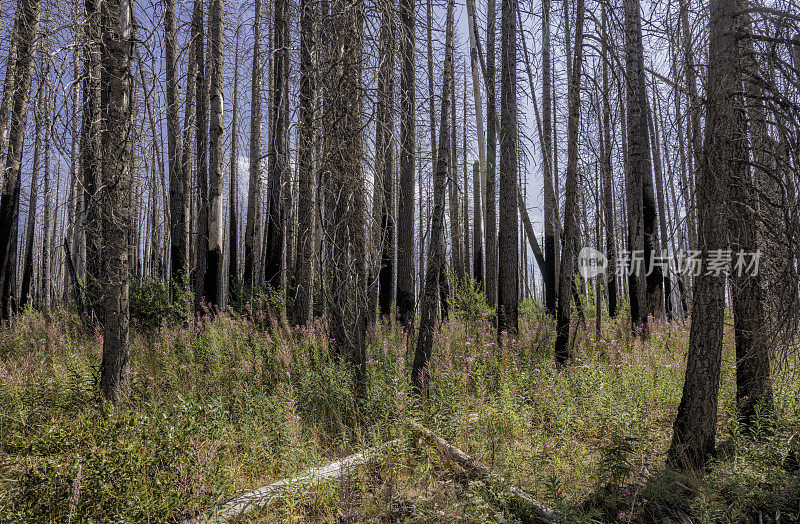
{"x": 591, "y": 263}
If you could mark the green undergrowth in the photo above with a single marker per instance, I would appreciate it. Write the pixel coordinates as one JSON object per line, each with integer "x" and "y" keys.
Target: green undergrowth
{"x": 238, "y": 399}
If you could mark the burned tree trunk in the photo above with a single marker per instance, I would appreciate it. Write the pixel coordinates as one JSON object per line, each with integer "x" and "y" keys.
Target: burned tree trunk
{"x": 384, "y": 168}
{"x": 407, "y": 150}
{"x": 491, "y": 159}
{"x": 214, "y": 264}
{"x": 508, "y": 267}
{"x": 115, "y": 109}
{"x": 306, "y": 162}
{"x": 277, "y": 152}
{"x": 567, "y": 271}
{"x": 201, "y": 146}
{"x": 422, "y": 354}
{"x": 233, "y": 193}
{"x": 694, "y": 430}
{"x": 252, "y": 232}
{"x": 178, "y": 177}
{"x": 24, "y": 38}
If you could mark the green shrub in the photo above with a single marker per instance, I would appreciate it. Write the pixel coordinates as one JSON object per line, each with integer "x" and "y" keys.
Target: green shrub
{"x": 468, "y": 301}
{"x": 151, "y": 305}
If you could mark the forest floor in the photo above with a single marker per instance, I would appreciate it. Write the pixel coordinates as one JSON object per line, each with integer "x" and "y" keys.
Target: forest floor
{"x": 238, "y": 400}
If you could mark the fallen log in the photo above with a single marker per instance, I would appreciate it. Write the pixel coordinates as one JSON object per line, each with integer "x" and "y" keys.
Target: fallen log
{"x": 534, "y": 510}
{"x": 258, "y": 498}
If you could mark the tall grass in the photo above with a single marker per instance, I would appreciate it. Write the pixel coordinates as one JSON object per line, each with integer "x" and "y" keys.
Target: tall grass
{"x": 237, "y": 399}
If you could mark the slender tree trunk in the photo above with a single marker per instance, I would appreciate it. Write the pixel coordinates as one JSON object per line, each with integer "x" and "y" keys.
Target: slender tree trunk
{"x": 465, "y": 169}
{"x": 479, "y": 171}
{"x": 508, "y": 267}
{"x": 662, "y": 215}
{"x": 456, "y": 247}
{"x": 27, "y": 271}
{"x": 754, "y": 326}
{"x": 214, "y": 263}
{"x": 638, "y": 165}
{"x": 491, "y": 158}
{"x": 550, "y": 201}
{"x": 567, "y": 272}
{"x": 252, "y": 233}
{"x": 7, "y": 97}
{"x": 306, "y": 162}
{"x": 278, "y": 170}
{"x": 384, "y": 169}
{"x": 405, "y": 201}
{"x": 607, "y": 179}
{"x": 117, "y": 44}
{"x": 723, "y": 162}
{"x": 49, "y": 229}
{"x": 420, "y": 373}
{"x": 201, "y": 145}
{"x": 178, "y": 180}
{"x": 695, "y": 134}
{"x": 25, "y": 39}
{"x": 233, "y": 193}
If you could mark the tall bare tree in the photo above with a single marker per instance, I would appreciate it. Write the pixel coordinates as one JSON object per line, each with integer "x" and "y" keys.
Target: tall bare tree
{"x": 550, "y": 200}
{"x": 420, "y": 373}
{"x": 233, "y": 192}
{"x": 27, "y": 264}
{"x": 307, "y": 162}
{"x": 567, "y": 271}
{"x": 723, "y": 156}
{"x": 278, "y": 148}
{"x": 407, "y": 151}
{"x": 609, "y": 213}
{"x": 178, "y": 177}
{"x": 508, "y": 266}
{"x": 343, "y": 166}
{"x": 639, "y": 164}
{"x": 201, "y": 148}
{"x": 491, "y": 157}
{"x": 252, "y": 233}
{"x": 214, "y": 262}
{"x": 384, "y": 147}
{"x": 25, "y": 37}
{"x": 116, "y": 87}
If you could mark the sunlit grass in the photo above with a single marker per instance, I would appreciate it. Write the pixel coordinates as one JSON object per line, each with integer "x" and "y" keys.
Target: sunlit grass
{"x": 238, "y": 399}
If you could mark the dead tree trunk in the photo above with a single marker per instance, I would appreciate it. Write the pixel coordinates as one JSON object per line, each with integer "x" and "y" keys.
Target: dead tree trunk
{"x": 115, "y": 109}
{"x": 214, "y": 263}
{"x": 508, "y": 267}
{"x": 384, "y": 161}
{"x": 178, "y": 179}
{"x": 567, "y": 271}
{"x": 277, "y": 152}
{"x": 49, "y": 229}
{"x": 252, "y": 233}
{"x": 550, "y": 200}
{"x": 25, "y": 40}
{"x": 607, "y": 179}
{"x": 694, "y": 430}
{"x": 662, "y": 212}
{"x": 27, "y": 268}
{"x": 201, "y": 146}
{"x": 638, "y": 164}
{"x": 343, "y": 166}
{"x": 233, "y": 193}
{"x": 420, "y": 374}
{"x": 306, "y": 162}
{"x": 491, "y": 159}
{"x": 407, "y": 194}
{"x": 479, "y": 171}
